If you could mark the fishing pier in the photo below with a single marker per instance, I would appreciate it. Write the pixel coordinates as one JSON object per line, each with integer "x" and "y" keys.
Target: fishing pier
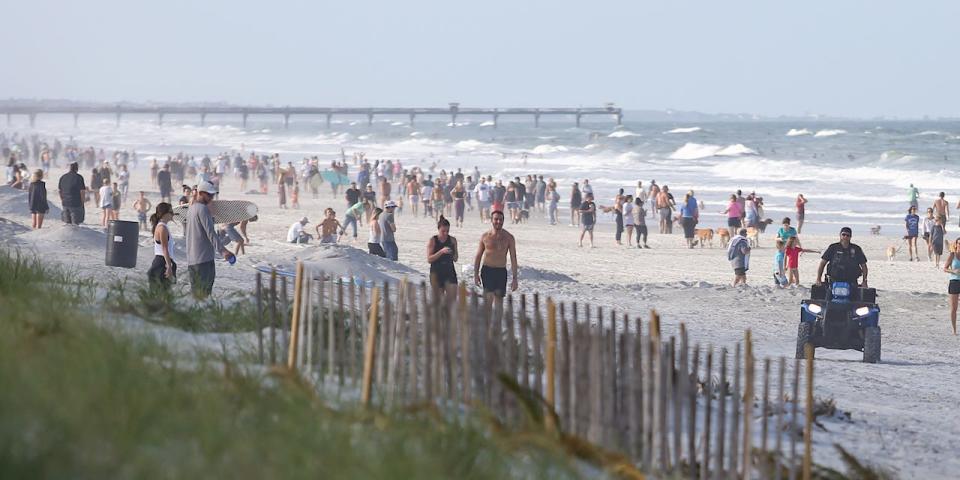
{"x": 453, "y": 111}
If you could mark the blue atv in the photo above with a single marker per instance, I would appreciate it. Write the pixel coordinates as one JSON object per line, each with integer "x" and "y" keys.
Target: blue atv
{"x": 840, "y": 317}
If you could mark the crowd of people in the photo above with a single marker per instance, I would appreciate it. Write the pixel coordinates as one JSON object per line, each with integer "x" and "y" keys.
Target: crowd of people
{"x": 377, "y": 192}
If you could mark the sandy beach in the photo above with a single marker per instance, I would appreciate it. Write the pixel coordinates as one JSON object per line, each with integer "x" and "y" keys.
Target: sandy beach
{"x": 897, "y": 408}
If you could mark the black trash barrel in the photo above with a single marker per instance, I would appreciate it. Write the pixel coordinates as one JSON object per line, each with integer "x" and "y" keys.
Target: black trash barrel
{"x": 122, "y": 237}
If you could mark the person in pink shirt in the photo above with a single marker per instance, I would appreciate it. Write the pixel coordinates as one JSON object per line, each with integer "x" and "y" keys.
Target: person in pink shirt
{"x": 734, "y": 213}
{"x": 792, "y": 252}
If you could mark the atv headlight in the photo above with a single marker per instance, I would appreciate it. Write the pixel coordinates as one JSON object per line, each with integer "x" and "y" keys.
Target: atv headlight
{"x": 814, "y": 308}
{"x": 862, "y": 311}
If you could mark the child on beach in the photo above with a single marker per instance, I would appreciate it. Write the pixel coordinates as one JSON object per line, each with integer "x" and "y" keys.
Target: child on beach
{"x": 327, "y": 229}
{"x": 295, "y": 196}
{"x": 792, "y": 252}
{"x": 142, "y": 206}
{"x": 779, "y": 266}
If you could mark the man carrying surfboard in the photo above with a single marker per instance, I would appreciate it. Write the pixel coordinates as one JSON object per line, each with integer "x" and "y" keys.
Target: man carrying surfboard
{"x": 203, "y": 243}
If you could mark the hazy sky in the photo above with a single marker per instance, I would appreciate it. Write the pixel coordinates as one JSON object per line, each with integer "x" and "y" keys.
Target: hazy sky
{"x": 856, "y": 58}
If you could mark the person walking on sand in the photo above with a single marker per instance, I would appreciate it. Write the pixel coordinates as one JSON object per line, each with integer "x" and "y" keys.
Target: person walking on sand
{"x": 640, "y": 220}
{"x": 72, "y": 190}
{"x": 490, "y": 263}
{"x": 942, "y": 208}
{"x": 801, "y": 211}
{"x": 203, "y": 243}
{"x": 353, "y": 216}
{"x": 738, "y": 253}
{"x": 576, "y": 198}
{"x": 106, "y": 204}
{"x": 689, "y": 216}
{"x": 588, "y": 218}
{"x": 388, "y": 228}
{"x": 665, "y": 210}
{"x": 928, "y": 223}
{"x": 373, "y": 240}
{"x": 442, "y": 253}
{"x": 628, "y": 218}
{"x": 912, "y": 223}
{"x": 952, "y": 266}
{"x": 164, "y": 183}
{"x": 734, "y": 214}
{"x": 37, "y": 196}
{"x": 163, "y": 270}
{"x": 937, "y": 234}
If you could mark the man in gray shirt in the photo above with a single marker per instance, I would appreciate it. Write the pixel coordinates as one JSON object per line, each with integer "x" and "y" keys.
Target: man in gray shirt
{"x": 203, "y": 243}
{"x": 387, "y": 227}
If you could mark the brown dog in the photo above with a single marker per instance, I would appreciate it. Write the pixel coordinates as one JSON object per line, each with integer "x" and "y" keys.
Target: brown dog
{"x": 753, "y": 235}
{"x": 704, "y": 235}
{"x": 724, "y": 235}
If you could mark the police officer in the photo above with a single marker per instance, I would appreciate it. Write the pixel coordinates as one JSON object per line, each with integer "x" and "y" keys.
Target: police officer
{"x": 847, "y": 261}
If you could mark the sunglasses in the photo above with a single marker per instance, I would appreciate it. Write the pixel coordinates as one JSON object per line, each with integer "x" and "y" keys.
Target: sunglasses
{"x": 844, "y": 234}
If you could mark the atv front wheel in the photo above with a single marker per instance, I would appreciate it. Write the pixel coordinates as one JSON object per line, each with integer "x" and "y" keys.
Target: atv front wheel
{"x": 804, "y": 333}
{"x": 871, "y": 345}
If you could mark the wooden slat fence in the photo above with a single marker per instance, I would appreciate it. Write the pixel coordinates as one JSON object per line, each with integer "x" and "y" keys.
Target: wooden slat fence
{"x": 610, "y": 378}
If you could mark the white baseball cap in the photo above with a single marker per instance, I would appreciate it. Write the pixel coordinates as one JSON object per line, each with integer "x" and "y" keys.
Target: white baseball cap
{"x": 207, "y": 186}
{"x": 390, "y": 204}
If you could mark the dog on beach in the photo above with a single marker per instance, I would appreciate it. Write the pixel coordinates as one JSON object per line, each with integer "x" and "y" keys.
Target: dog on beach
{"x": 892, "y": 251}
{"x": 763, "y": 224}
{"x": 724, "y": 235}
{"x": 876, "y": 231}
{"x": 753, "y": 235}
{"x": 704, "y": 235}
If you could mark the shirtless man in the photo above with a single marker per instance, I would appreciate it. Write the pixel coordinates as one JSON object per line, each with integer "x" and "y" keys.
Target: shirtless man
{"x": 142, "y": 206}
{"x": 490, "y": 264}
{"x": 941, "y": 208}
{"x": 664, "y": 210}
{"x": 327, "y": 229}
{"x": 413, "y": 190}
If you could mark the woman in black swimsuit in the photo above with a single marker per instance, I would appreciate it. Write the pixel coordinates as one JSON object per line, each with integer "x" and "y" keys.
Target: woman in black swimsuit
{"x": 441, "y": 254}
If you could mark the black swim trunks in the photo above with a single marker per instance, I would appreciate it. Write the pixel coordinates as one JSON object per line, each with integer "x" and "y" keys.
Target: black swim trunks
{"x": 494, "y": 280}
{"x": 953, "y": 287}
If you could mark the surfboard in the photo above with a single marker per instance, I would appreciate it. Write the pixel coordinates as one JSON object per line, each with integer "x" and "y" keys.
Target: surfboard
{"x": 315, "y": 181}
{"x": 335, "y": 178}
{"x": 223, "y": 211}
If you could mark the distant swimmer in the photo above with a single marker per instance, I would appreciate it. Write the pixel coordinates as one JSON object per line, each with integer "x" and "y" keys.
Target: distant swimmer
{"x": 490, "y": 264}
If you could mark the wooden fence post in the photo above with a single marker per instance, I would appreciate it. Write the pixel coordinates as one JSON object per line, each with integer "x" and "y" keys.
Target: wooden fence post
{"x": 733, "y": 459}
{"x": 794, "y": 411}
{"x": 780, "y": 407}
{"x": 551, "y": 362}
{"x": 748, "y": 404}
{"x": 707, "y": 416}
{"x": 273, "y": 317}
{"x": 465, "y": 376}
{"x": 368, "y": 355}
{"x": 295, "y": 318}
{"x": 694, "y": 381}
{"x": 808, "y": 425}
{"x": 259, "y": 296}
{"x": 721, "y": 416}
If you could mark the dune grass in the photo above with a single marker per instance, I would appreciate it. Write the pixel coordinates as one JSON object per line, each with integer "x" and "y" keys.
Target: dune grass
{"x": 79, "y": 402}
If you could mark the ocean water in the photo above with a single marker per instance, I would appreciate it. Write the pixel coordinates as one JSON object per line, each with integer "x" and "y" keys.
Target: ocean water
{"x": 853, "y": 173}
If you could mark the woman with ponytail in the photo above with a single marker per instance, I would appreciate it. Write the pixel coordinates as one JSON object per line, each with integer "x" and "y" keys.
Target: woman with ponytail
{"x": 163, "y": 271}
